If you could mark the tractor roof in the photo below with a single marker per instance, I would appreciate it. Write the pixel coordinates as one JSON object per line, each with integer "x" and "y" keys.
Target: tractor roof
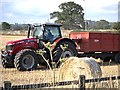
{"x": 52, "y": 24}
{"x": 47, "y": 24}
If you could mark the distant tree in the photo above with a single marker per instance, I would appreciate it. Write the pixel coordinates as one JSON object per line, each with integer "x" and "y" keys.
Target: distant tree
{"x": 17, "y": 26}
{"x": 0, "y": 26}
{"x": 71, "y": 15}
{"x": 102, "y": 24}
{"x": 5, "y": 25}
{"x": 24, "y": 26}
{"x": 90, "y": 24}
{"x": 116, "y": 25}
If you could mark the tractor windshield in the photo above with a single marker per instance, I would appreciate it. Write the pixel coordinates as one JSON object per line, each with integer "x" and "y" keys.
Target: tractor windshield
{"x": 38, "y": 32}
{"x": 47, "y": 33}
{"x": 51, "y": 33}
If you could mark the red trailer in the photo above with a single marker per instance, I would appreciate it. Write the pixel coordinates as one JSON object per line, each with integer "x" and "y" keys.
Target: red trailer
{"x": 97, "y": 44}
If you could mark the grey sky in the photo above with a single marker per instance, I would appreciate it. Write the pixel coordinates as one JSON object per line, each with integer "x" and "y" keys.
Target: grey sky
{"x": 37, "y": 11}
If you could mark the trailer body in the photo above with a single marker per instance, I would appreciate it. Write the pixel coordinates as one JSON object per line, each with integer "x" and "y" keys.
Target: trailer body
{"x": 96, "y": 42}
{"x": 105, "y": 46}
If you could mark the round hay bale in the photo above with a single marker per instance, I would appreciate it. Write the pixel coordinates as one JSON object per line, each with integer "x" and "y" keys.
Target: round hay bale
{"x": 73, "y": 67}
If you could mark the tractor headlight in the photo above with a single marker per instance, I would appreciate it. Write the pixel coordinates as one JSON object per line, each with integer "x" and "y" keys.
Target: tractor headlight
{"x": 9, "y": 47}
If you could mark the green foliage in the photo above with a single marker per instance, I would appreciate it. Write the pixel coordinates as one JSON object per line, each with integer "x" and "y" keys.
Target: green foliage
{"x": 17, "y": 26}
{"x": 116, "y": 25}
{"x": 50, "y": 47}
{"x": 102, "y": 24}
{"x": 71, "y": 15}
{"x": 5, "y": 25}
{"x": 0, "y": 26}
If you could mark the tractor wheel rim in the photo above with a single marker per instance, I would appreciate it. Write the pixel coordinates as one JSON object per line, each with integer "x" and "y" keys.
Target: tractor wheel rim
{"x": 28, "y": 61}
{"x": 67, "y": 53}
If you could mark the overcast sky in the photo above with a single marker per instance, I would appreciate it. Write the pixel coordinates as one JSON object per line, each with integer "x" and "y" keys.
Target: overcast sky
{"x": 37, "y": 11}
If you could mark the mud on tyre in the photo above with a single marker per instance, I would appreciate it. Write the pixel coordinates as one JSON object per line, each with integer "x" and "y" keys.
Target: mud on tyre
{"x": 25, "y": 60}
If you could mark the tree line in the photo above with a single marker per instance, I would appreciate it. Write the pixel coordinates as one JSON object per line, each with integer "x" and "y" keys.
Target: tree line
{"x": 16, "y": 26}
{"x": 102, "y": 24}
{"x": 71, "y": 16}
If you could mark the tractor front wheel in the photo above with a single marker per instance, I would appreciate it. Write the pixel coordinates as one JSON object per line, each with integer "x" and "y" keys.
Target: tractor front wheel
{"x": 25, "y": 60}
{"x": 6, "y": 65}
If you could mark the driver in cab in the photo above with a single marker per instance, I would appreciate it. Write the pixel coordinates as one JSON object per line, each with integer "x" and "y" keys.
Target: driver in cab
{"x": 48, "y": 34}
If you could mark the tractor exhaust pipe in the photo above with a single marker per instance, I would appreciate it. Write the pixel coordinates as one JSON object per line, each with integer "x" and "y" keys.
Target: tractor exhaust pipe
{"x": 29, "y": 28}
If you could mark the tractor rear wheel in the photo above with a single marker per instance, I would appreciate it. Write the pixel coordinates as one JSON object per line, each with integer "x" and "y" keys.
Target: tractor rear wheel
{"x": 69, "y": 51}
{"x": 25, "y": 60}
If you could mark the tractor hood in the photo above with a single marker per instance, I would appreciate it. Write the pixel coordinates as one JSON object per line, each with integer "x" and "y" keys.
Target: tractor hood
{"x": 21, "y": 41}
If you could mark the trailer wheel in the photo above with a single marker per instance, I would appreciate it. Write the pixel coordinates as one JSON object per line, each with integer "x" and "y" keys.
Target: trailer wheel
{"x": 117, "y": 58}
{"x": 69, "y": 51}
{"x": 25, "y": 60}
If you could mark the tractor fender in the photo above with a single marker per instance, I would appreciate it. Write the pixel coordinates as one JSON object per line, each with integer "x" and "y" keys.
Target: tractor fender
{"x": 58, "y": 41}
{"x": 69, "y": 51}
{"x": 29, "y": 47}
{"x": 16, "y": 50}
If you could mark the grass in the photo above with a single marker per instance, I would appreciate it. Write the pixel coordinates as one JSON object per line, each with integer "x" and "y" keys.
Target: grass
{"x": 45, "y": 75}
{"x": 27, "y": 77}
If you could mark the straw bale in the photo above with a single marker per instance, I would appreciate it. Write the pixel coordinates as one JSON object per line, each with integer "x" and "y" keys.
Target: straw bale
{"x": 73, "y": 67}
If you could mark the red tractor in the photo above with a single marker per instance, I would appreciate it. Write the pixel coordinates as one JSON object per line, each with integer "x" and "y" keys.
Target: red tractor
{"x": 22, "y": 54}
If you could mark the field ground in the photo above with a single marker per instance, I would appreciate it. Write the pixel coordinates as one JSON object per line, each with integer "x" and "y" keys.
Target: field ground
{"x": 42, "y": 75}
{"x": 6, "y": 38}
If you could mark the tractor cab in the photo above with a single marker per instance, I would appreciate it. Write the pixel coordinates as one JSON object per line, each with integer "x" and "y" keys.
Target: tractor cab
{"x": 46, "y": 32}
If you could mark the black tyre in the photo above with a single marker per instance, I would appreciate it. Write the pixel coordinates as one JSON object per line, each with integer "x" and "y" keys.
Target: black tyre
{"x": 69, "y": 51}
{"x": 6, "y": 65}
{"x": 25, "y": 60}
{"x": 117, "y": 58}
